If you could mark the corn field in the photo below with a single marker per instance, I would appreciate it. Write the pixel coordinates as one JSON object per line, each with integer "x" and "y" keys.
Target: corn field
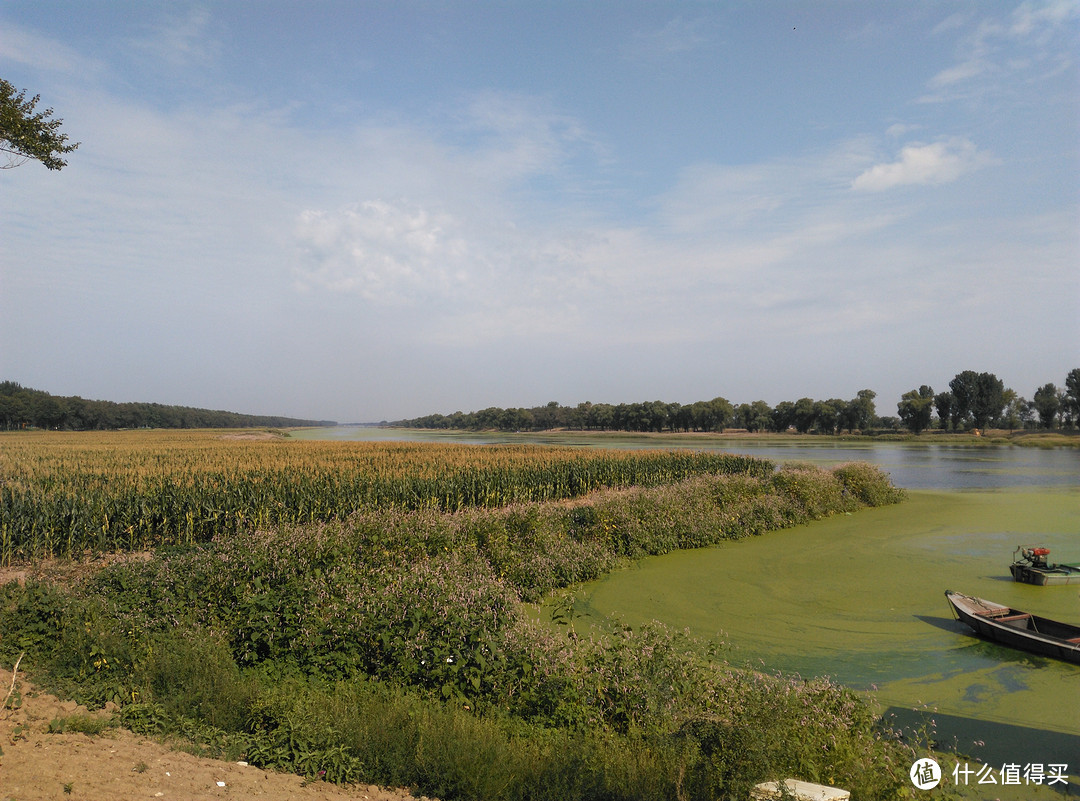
{"x": 68, "y": 493}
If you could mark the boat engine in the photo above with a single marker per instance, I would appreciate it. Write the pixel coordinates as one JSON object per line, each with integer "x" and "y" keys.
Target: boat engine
{"x": 1037, "y": 556}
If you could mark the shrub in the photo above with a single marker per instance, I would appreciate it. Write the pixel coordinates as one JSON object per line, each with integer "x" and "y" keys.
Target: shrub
{"x": 868, "y": 484}
{"x": 30, "y": 616}
{"x": 812, "y": 492}
{"x": 191, "y": 673}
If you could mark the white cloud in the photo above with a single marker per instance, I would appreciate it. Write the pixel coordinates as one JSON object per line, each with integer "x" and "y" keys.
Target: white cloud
{"x": 918, "y": 164}
{"x": 25, "y": 47}
{"x": 899, "y": 129}
{"x": 1036, "y": 18}
{"x": 767, "y": 201}
{"x": 510, "y": 136}
{"x": 384, "y": 251}
{"x": 181, "y": 41}
{"x": 999, "y": 50}
{"x": 959, "y": 73}
{"x": 951, "y": 22}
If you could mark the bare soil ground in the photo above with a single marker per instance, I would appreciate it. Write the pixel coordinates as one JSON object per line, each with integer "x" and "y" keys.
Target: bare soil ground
{"x": 118, "y": 765}
{"x": 64, "y": 571}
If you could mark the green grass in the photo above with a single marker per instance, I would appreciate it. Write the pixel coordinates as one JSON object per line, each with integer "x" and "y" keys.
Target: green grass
{"x": 92, "y": 725}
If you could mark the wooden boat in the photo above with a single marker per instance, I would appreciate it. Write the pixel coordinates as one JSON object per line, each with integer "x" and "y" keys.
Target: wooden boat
{"x": 1030, "y": 566}
{"x": 1017, "y": 629}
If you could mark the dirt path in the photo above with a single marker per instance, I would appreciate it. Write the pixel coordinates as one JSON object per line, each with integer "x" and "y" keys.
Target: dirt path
{"x": 120, "y": 766}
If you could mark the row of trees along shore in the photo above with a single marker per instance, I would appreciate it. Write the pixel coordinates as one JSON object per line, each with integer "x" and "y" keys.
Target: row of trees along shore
{"x": 973, "y": 401}
{"x": 21, "y": 407}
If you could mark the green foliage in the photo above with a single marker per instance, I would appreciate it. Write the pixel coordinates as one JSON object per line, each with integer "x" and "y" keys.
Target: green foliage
{"x": 1071, "y": 402}
{"x": 92, "y": 725}
{"x": 816, "y": 730}
{"x": 33, "y": 613}
{"x": 813, "y": 493}
{"x": 21, "y": 407}
{"x": 657, "y": 416}
{"x": 29, "y": 134}
{"x": 867, "y": 484}
{"x": 191, "y": 672}
{"x": 1048, "y": 402}
{"x": 916, "y": 408}
{"x": 194, "y": 736}
{"x": 145, "y": 717}
{"x": 979, "y": 397}
{"x": 286, "y": 736}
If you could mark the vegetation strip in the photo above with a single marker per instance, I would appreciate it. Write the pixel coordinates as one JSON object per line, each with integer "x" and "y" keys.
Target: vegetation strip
{"x": 974, "y": 401}
{"x": 65, "y": 493}
{"x": 389, "y": 646}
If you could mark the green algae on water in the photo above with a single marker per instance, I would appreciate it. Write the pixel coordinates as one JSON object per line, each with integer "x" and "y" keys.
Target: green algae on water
{"x": 861, "y": 598}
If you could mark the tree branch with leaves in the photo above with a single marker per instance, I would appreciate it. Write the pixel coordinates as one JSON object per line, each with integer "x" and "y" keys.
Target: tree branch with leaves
{"x": 28, "y": 134}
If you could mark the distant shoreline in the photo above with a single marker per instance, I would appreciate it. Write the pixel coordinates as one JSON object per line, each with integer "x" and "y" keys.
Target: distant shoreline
{"x": 985, "y": 438}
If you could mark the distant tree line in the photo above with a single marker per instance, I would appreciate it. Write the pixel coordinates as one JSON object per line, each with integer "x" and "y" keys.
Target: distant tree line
{"x": 21, "y": 407}
{"x": 974, "y": 401}
{"x": 718, "y": 414}
{"x": 981, "y": 400}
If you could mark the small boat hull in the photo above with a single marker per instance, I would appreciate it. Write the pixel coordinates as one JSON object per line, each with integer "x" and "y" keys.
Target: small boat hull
{"x": 1045, "y": 576}
{"x": 1031, "y": 565}
{"x": 1017, "y": 629}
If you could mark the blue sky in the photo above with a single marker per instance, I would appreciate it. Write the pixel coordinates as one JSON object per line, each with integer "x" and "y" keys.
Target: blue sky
{"x": 373, "y": 210}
